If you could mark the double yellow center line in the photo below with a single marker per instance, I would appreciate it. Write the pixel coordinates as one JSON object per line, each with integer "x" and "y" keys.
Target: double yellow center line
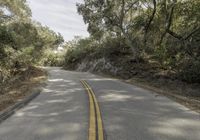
{"x": 95, "y": 123}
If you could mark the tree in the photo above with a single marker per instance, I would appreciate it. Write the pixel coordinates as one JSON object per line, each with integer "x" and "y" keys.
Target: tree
{"x": 164, "y": 30}
{"x": 22, "y": 41}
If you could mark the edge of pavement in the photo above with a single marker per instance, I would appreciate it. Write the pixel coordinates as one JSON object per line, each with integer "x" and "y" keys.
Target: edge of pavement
{"x": 191, "y": 104}
{"x": 19, "y": 104}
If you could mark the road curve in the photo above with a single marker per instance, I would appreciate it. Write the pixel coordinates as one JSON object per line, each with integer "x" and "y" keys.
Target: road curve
{"x": 62, "y": 112}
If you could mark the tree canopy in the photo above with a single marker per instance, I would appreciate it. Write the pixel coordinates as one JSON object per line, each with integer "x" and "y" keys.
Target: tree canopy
{"x": 167, "y": 31}
{"x": 22, "y": 41}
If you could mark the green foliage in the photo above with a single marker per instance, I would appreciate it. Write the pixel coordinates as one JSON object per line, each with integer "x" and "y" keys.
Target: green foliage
{"x": 90, "y": 49}
{"x": 190, "y": 71}
{"x": 18, "y": 8}
{"x": 165, "y": 32}
{"x": 80, "y": 50}
{"x": 52, "y": 58}
{"x": 5, "y": 35}
{"x": 22, "y": 41}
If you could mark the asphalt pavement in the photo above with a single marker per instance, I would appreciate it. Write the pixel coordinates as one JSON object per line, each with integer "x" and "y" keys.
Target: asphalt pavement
{"x": 62, "y": 112}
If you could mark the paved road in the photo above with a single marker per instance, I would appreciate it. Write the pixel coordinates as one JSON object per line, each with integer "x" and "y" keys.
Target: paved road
{"x": 61, "y": 112}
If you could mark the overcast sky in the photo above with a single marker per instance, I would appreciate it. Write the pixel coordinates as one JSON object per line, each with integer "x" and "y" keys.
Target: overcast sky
{"x": 60, "y": 15}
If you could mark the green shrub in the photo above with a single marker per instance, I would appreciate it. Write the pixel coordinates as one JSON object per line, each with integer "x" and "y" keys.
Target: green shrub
{"x": 190, "y": 71}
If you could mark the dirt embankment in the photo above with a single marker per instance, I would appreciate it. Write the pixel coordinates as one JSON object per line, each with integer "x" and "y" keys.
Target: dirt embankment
{"x": 144, "y": 74}
{"x": 20, "y": 86}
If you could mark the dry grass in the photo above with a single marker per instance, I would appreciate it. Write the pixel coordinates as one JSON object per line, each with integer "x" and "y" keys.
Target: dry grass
{"x": 183, "y": 93}
{"x": 20, "y": 87}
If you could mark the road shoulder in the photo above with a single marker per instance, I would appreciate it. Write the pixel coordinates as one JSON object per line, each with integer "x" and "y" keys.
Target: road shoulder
{"x": 20, "y": 91}
{"x": 175, "y": 93}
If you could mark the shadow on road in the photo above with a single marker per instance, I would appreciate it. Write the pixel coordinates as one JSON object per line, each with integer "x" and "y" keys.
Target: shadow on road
{"x": 130, "y": 112}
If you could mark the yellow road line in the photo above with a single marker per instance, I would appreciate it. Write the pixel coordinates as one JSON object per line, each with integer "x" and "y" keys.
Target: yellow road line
{"x": 92, "y": 123}
{"x": 99, "y": 122}
{"x": 99, "y": 119}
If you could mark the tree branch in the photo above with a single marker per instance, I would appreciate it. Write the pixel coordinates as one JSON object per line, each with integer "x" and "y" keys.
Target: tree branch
{"x": 179, "y": 37}
{"x": 193, "y": 32}
{"x": 130, "y": 6}
{"x": 147, "y": 26}
{"x": 169, "y": 17}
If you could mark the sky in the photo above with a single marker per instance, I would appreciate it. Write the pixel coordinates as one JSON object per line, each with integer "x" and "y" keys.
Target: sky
{"x": 60, "y": 15}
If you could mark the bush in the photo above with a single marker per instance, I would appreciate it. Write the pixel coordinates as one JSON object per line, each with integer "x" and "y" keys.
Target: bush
{"x": 190, "y": 71}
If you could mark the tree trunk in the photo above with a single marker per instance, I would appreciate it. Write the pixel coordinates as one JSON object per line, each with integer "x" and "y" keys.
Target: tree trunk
{"x": 147, "y": 26}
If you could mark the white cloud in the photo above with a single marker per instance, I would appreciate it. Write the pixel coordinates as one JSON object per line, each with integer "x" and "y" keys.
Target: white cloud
{"x": 59, "y": 15}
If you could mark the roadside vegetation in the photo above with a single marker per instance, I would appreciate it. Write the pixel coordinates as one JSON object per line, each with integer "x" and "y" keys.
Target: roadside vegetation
{"x": 23, "y": 41}
{"x": 153, "y": 42}
{"x": 24, "y": 44}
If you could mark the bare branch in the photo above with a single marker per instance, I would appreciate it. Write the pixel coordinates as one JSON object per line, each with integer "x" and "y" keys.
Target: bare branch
{"x": 193, "y": 32}
{"x": 130, "y": 6}
{"x": 179, "y": 37}
{"x": 146, "y": 28}
{"x": 169, "y": 17}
